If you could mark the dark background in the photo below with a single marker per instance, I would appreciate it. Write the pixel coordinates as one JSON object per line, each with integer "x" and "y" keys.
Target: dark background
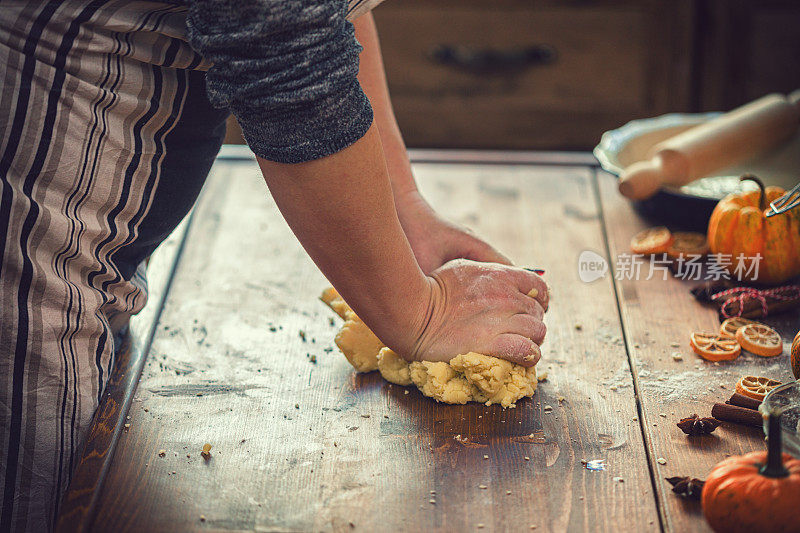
{"x": 554, "y": 75}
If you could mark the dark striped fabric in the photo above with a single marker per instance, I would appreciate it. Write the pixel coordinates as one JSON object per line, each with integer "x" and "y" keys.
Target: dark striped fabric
{"x": 106, "y": 137}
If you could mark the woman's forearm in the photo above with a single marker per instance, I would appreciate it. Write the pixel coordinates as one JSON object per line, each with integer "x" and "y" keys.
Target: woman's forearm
{"x": 372, "y": 77}
{"x": 341, "y": 209}
{"x": 433, "y": 239}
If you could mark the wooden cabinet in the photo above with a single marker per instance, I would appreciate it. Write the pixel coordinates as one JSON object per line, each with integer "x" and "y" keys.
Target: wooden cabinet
{"x": 746, "y": 49}
{"x": 523, "y": 74}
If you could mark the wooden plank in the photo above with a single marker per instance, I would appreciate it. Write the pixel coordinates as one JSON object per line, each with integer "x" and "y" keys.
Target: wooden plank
{"x": 656, "y": 314}
{"x": 80, "y": 499}
{"x": 498, "y": 157}
{"x": 511, "y": 4}
{"x": 502, "y": 157}
{"x": 301, "y": 445}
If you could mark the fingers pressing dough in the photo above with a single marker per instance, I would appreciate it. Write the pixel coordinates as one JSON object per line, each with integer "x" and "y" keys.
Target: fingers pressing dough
{"x": 470, "y": 377}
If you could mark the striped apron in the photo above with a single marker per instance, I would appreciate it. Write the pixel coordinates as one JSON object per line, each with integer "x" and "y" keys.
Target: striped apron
{"x": 106, "y": 137}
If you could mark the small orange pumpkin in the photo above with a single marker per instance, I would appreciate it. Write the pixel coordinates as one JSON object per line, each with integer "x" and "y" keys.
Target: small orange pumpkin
{"x": 795, "y": 358}
{"x": 738, "y": 225}
{"x": 758, "y": 491}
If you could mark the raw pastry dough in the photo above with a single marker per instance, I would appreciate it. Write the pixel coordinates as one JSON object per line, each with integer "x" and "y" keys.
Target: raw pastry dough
{"x": 467, "y": 377}
{"x": 358, "y": 344}
{"x": 394, "y": 368}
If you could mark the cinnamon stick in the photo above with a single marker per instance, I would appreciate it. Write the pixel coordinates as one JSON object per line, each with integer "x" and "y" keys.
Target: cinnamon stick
{"x": 749, "y": 302}
{"x": 738, "y": 415}
{"x": 754, "y": 309}
{"x": 741, "y": 400}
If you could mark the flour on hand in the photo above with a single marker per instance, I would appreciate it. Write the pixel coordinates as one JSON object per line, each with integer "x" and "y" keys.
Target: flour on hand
{"x": 470, "y": 377}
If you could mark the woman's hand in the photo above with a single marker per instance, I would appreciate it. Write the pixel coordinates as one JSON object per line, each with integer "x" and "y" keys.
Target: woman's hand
{"x": 481, "y": 307}
{"x": 435, "y": 241}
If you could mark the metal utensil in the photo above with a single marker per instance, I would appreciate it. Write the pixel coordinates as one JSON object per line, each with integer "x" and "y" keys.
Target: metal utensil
{"x": 786, "y": 401}
{"x": 788, "y": 201}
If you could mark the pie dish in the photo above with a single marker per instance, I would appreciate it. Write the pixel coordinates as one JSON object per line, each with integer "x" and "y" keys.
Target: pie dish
{"x": 690, "y": 206}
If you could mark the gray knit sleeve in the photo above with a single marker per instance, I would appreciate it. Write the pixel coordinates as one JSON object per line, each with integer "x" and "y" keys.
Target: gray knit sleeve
{"x": 287, "y": 70}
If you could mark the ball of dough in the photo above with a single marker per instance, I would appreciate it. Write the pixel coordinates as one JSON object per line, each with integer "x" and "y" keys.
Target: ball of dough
{"x": 442, "y": 383}
{"x": 394, "y": 368}
{"x": 502, "y": 381}
{"x": 358, "y": 344}
{"x": 332, "y": 298}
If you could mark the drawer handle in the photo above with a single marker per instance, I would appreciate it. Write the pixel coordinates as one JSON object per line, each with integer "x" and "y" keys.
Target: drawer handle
{"x": 489, "y": 61}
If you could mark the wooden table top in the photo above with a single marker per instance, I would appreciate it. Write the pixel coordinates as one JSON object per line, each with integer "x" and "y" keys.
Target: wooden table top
{"x": 238, "y": 352}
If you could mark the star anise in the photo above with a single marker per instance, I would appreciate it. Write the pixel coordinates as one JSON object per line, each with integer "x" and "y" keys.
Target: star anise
{"x": 694, "y": 425}
{"x": 690, "y": 488}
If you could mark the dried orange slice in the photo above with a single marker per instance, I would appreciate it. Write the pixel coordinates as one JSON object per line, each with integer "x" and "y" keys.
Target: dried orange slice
{"x": 687, "y": 244}
{"x": 652, "y": 241}
{"x": 755, "y": 386}
{"x": 729, "y": 327}
{"x": 760, "y": 339}
{"x": 714, "y": 347}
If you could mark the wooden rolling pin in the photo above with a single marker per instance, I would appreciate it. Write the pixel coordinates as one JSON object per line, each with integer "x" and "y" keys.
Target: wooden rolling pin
{"x": 719, "y": 143}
